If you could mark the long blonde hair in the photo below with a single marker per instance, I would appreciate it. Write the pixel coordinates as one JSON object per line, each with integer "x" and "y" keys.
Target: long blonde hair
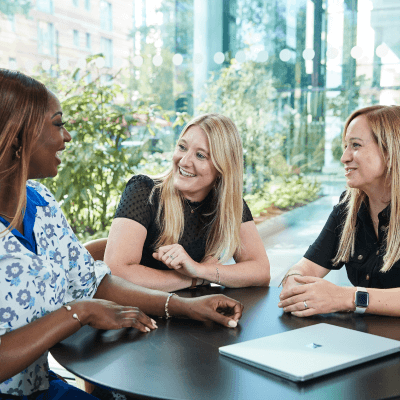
{"x": 384, "y": 122}
{"x": 226, "y": 153}
{"x": 23, "y": 105}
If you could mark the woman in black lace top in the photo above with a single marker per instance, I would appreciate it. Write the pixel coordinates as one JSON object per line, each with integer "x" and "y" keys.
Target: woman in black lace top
{"x": 177, "y": 231}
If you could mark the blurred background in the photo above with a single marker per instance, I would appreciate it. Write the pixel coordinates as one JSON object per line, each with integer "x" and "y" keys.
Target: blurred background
{"x": 130, "y": 73}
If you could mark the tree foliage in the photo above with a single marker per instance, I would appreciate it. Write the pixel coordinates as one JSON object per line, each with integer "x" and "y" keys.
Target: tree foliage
{"x": 11, "y": 7}
{"x": 246, "y": 94}
{"x": 96, "y": 164}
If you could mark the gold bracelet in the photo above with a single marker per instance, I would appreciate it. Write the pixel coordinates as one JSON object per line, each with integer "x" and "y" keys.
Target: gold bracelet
{"x": 283, "y": 281}
{"x": 218, "y": 279}
{"x": 167, "y": 316}
{"x": 74, "y": 315}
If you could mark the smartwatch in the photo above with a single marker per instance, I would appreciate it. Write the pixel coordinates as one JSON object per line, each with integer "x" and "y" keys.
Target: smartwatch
{"x": 361, "y": 300}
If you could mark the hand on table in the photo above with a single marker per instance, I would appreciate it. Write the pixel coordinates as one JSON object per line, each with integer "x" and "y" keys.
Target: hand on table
{"x": 217, "y": 308}
{"x": 320, "y": 296}
{"x": 174, "y": 256}
{"x": 104, "y": 314}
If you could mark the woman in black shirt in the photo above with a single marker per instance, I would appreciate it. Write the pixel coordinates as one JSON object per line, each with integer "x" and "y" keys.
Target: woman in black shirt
{"x": 363, "y": 230}
{"x": 176, "y": 231}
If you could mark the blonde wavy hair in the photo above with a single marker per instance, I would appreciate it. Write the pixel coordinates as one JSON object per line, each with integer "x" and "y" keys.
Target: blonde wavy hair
{"x": 226, "y": 153}
{"x": 23, "y": 105}
{"x": 384, "y": 122}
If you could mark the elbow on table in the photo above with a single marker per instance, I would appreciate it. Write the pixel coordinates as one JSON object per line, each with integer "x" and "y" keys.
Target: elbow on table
{"x": 267, "y": 277}
{"x": 264, "y": 278}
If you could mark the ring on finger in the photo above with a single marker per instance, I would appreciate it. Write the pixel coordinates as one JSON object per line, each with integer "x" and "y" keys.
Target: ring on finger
{"x": 305, "y": 304}
{"x": 171, "y": 257}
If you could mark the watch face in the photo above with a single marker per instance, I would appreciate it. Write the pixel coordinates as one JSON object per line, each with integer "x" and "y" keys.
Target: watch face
{"x": 362, "y": 299}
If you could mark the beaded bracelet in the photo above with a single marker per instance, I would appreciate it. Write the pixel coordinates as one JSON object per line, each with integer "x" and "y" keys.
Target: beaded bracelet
{"x": 74, "y": 315}
{"x": 167, "y": 316}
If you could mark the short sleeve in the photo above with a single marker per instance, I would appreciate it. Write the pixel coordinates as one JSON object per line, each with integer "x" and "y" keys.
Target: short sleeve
{"x": 325, "y": 247}
{"x": 246, "y": 213}
{"x": 135, "y": 201}
{"x": 56, "y": 239}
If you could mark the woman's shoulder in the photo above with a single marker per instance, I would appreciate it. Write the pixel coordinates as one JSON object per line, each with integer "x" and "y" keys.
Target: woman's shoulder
{"x": 141, "y": 182}
{"x": 40, "y": 191}
{"x": 140, "y": 188}
{"x": 340, "y": 208}
{"x": 342, "y": 203}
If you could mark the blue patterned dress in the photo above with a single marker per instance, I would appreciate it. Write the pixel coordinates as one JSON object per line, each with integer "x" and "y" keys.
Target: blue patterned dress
{"x": 35, "y": 283}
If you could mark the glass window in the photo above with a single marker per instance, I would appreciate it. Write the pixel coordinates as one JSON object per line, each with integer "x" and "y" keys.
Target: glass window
{"x": 12, "y": 63}
{"x": 88, "y": 41}
{"x": 11, "y": 22}
{"x": 76, "y": 38}
{"x": 298, "y": 67}
{"x": 45, "y": 6}
{"x": 107, "y": 50}
{"x": 46, "y": 38}
{"x": 106, "y": 15}
{"x": 88, "y": 78}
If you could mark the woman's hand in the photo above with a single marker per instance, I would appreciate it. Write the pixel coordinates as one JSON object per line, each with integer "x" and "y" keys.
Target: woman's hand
{"x": 290, "y": 282}
{"x": 217, "y": 308}
{"x": 174, "y": 256}
{"x": 104, "y": 314}
{"x": 320, "y": 296}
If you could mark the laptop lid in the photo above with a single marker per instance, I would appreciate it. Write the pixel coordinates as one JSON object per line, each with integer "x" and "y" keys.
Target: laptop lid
{"x": 312, "y": 351}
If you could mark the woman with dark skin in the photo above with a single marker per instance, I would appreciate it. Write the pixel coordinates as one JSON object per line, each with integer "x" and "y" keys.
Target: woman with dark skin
{"x": 49, "y": 285}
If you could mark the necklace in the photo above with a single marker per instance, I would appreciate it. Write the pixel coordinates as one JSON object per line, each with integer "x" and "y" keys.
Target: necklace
{"x": 192, "y": 210}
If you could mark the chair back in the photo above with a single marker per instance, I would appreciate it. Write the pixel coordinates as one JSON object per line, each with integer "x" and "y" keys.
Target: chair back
{"x": 96, "y": 248}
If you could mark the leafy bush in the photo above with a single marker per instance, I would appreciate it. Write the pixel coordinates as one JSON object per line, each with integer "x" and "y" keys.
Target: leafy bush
{"x": 283, "y": 193}
{"x": 96, "y": 164}
{"x": 246, "y": 94}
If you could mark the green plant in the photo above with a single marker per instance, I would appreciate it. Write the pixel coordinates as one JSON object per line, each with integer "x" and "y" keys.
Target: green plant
{"x": 11, "y": 7}
{"x": 337, "y": 147}
{"x": 284, "y": 193}
{"x": 246, "y": 94}
{"x": 96, "y": 164}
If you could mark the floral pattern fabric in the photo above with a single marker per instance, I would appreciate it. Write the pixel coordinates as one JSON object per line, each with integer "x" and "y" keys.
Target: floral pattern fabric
{"x": 32, "y": 286}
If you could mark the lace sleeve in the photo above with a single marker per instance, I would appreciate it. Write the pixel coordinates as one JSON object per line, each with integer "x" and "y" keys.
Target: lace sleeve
{"x": 134, "y": 203}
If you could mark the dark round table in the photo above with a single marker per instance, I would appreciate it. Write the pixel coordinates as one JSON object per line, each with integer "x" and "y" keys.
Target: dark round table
{"x": 180, "y": 360}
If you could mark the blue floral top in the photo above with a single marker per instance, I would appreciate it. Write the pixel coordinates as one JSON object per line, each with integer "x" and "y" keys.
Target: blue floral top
{"x": 33, "y": 285}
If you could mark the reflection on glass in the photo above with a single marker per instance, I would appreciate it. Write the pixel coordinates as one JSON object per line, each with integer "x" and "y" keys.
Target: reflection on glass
{"x": 315, "y": 60}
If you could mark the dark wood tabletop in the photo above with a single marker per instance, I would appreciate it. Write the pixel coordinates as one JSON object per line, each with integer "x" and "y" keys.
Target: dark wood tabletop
{"x": 180, "y": 359}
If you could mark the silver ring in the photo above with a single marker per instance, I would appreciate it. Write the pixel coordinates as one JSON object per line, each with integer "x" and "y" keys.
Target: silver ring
{"x": 171, "y": 256}
{"x": 305, "y": 304}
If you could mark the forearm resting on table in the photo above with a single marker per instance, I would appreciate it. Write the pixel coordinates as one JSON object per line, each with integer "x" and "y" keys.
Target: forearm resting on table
{"x": 21, "y": 347}
{"x": 151, "y": 278}
{"x": 304, "y": 267}
{"x": 121, "y": 291}
{"x": 242, "y": 274}
{"x": 383, "y": 301}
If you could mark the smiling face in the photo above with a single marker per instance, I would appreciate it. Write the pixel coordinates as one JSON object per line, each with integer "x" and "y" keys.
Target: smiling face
{"x": 193, "y": 169}
{"x": 45, "y": 156}
{"x": 363, "y": 161}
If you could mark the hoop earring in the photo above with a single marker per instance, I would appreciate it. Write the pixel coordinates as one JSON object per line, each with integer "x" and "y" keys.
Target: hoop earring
{"x": 18, "y": 152}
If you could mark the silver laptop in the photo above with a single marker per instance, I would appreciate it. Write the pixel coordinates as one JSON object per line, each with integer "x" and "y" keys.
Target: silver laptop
{"x": 309, "y": 352}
